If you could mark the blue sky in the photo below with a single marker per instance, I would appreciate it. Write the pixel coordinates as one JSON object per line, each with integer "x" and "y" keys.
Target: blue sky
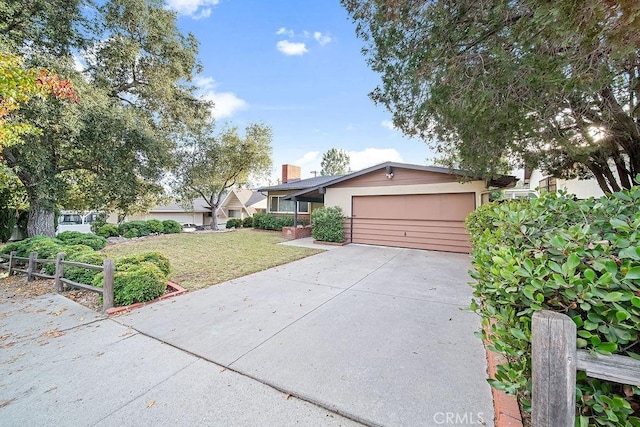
{"x": 295, "y": 65}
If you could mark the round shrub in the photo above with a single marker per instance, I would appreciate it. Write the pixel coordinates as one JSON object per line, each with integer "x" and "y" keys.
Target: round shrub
{"x": 139, "y": 283}
{"x": 131, "y": 233}
{"x": 247, "y": 222}
{"x": 155, "y": 226}
{"x": 142, "y": 229}
{"x": 156, "y": 258}
{"x": 328, "y": 224}
{"x": 77, "y": 238}
{"x": 108, "y": 230}
{"x": 170, "y": 226}
{"x": 234, "y": 223}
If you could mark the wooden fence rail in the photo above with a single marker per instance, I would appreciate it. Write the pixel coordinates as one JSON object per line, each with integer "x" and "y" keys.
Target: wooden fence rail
{"x": 555, "y": 361}
{"x": 32, "y": 272}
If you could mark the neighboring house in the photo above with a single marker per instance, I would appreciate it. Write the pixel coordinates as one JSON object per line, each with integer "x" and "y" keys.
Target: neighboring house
{"x": 396, "y": 204}
{"x": 197, "y": 213}
{"x": 582, "y": 188}
{"x": 237, "y": 203}
{"x": 241, "y": 203}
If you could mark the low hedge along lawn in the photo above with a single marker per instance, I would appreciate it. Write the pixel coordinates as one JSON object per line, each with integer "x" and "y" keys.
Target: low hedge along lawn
{"x": 580, "y": 258}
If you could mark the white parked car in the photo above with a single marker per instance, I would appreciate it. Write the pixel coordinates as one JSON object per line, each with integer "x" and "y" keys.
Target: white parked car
{"x": 189, "y": 228}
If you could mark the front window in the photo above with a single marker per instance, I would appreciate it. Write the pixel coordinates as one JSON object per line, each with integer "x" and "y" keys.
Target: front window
{"x": 234, "y": 213}
{"x": 278, "y": 205}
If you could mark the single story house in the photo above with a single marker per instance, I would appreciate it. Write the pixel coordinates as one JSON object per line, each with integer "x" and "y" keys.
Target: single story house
{"x": 394, "y": 204}
{"x": 276, "y": 195}
{"x": 237, "y": 203}
{"x": 241, "y": 203}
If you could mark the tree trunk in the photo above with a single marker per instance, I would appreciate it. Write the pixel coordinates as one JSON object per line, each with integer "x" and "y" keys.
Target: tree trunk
{"x": 214, "y": 218}
{"x": 41, "y": 218}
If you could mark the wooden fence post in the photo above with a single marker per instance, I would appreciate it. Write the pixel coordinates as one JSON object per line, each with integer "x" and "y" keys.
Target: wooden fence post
{"x": 107, "y": 296}
{"x": 32, "y": 265}
{"x": 553, "y": 358}
{"x": 12, "y": 261}
{"x": 59, "y": 272}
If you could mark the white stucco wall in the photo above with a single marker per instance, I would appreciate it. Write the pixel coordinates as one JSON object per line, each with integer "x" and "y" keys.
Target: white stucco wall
{"x": 582, "y": 188}
{"x": 342, "y": 196}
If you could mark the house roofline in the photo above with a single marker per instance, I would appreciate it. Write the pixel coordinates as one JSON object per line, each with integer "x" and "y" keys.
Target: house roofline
{"x": 436, "y": 169}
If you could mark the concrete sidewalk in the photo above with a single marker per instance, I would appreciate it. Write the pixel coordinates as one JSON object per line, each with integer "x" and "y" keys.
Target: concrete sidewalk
{"x": 62, "y": 364}
{"x": 379, "y": 335}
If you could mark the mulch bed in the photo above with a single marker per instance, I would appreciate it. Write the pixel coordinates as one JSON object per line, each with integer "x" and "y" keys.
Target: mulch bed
{"x": 17, "y": 287}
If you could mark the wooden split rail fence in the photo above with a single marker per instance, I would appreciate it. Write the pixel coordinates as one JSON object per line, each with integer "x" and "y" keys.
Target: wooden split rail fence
{"x": 29, "y": 266}
{"x": 555, "y": 361}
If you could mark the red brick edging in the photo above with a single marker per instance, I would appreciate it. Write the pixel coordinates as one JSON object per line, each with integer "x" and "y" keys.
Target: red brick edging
{"x": 179, "y": 290}
{"x": 505, "y": 406}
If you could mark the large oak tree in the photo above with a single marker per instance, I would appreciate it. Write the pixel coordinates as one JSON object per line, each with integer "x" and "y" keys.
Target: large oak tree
{"x": 208, "y": 164}
{"x": 134, "y": 100}
{"x": 554, "y": 85}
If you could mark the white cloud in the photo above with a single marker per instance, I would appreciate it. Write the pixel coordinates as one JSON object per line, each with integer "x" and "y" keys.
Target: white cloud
{"x": 321, "y": 38}
{"x": 283, "y": 31}
{"x": 289, "y": 48}
{"x": 311, "y": 161}
{"x": 225, "y": 103}
{"x": 388, "y": 124}
{"x": 372, "y": 156}
{"x": 194, "y": 8}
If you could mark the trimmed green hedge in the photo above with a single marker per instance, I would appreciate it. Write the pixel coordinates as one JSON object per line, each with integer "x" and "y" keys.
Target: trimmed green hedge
{"x": 77, "y": 238}
{"x": 328, "y": 224}
{"x": 234, "y": 223}
{"x": 267, "y": 221}
{"x": 139, "y": 278}
{"x": 580, "y": 258}
{"x": 170, "y": 226}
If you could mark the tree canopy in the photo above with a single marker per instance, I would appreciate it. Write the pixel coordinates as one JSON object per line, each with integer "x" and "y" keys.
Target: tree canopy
{"x": 134, "y": 100}
{"x": 209, "y": 165}
{"x": 335, "y": 162}
{"x": 502, "y": 83}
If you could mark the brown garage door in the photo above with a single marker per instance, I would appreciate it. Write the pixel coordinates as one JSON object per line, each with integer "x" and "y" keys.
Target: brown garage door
{"x": 419, "y": 221}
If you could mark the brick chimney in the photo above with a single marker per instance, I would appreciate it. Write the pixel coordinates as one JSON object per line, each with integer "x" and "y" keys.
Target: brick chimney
{"x": 290, "y": 173}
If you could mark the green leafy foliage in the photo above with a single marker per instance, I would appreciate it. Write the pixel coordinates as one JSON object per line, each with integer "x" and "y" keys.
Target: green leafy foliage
{"x": 234, "y": 223}
{"x": 155, "y": 226}
{"x": 79, "y": 274}
{"x": 156, "y": 258}
{"x": 141, "y": 227}
{"x": 137, "y": 283}
{"x": 170, "y": 226}
{"x": 77, "y": 238}
{"x": 108, "y": 230}
{"x": 133, "y": 51}
{"x": 247, "y": 222}
{"x": 328, "y": 224}
{"x": 131, "y": 233}
{"x": 213, "y": 163}
{"x": 267, "y": 221}
{"x": 578, "y": 257}
{"x": 523, "y": 80}
{"x": 335, "y": 162}
{"x": 45, "y": 246}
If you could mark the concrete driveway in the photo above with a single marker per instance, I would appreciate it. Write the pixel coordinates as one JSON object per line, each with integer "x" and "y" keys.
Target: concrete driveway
{"x": 379, "y": 335}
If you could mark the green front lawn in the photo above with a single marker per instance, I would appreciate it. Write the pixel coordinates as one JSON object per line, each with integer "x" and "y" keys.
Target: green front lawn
{"x": 199, "y": 260}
